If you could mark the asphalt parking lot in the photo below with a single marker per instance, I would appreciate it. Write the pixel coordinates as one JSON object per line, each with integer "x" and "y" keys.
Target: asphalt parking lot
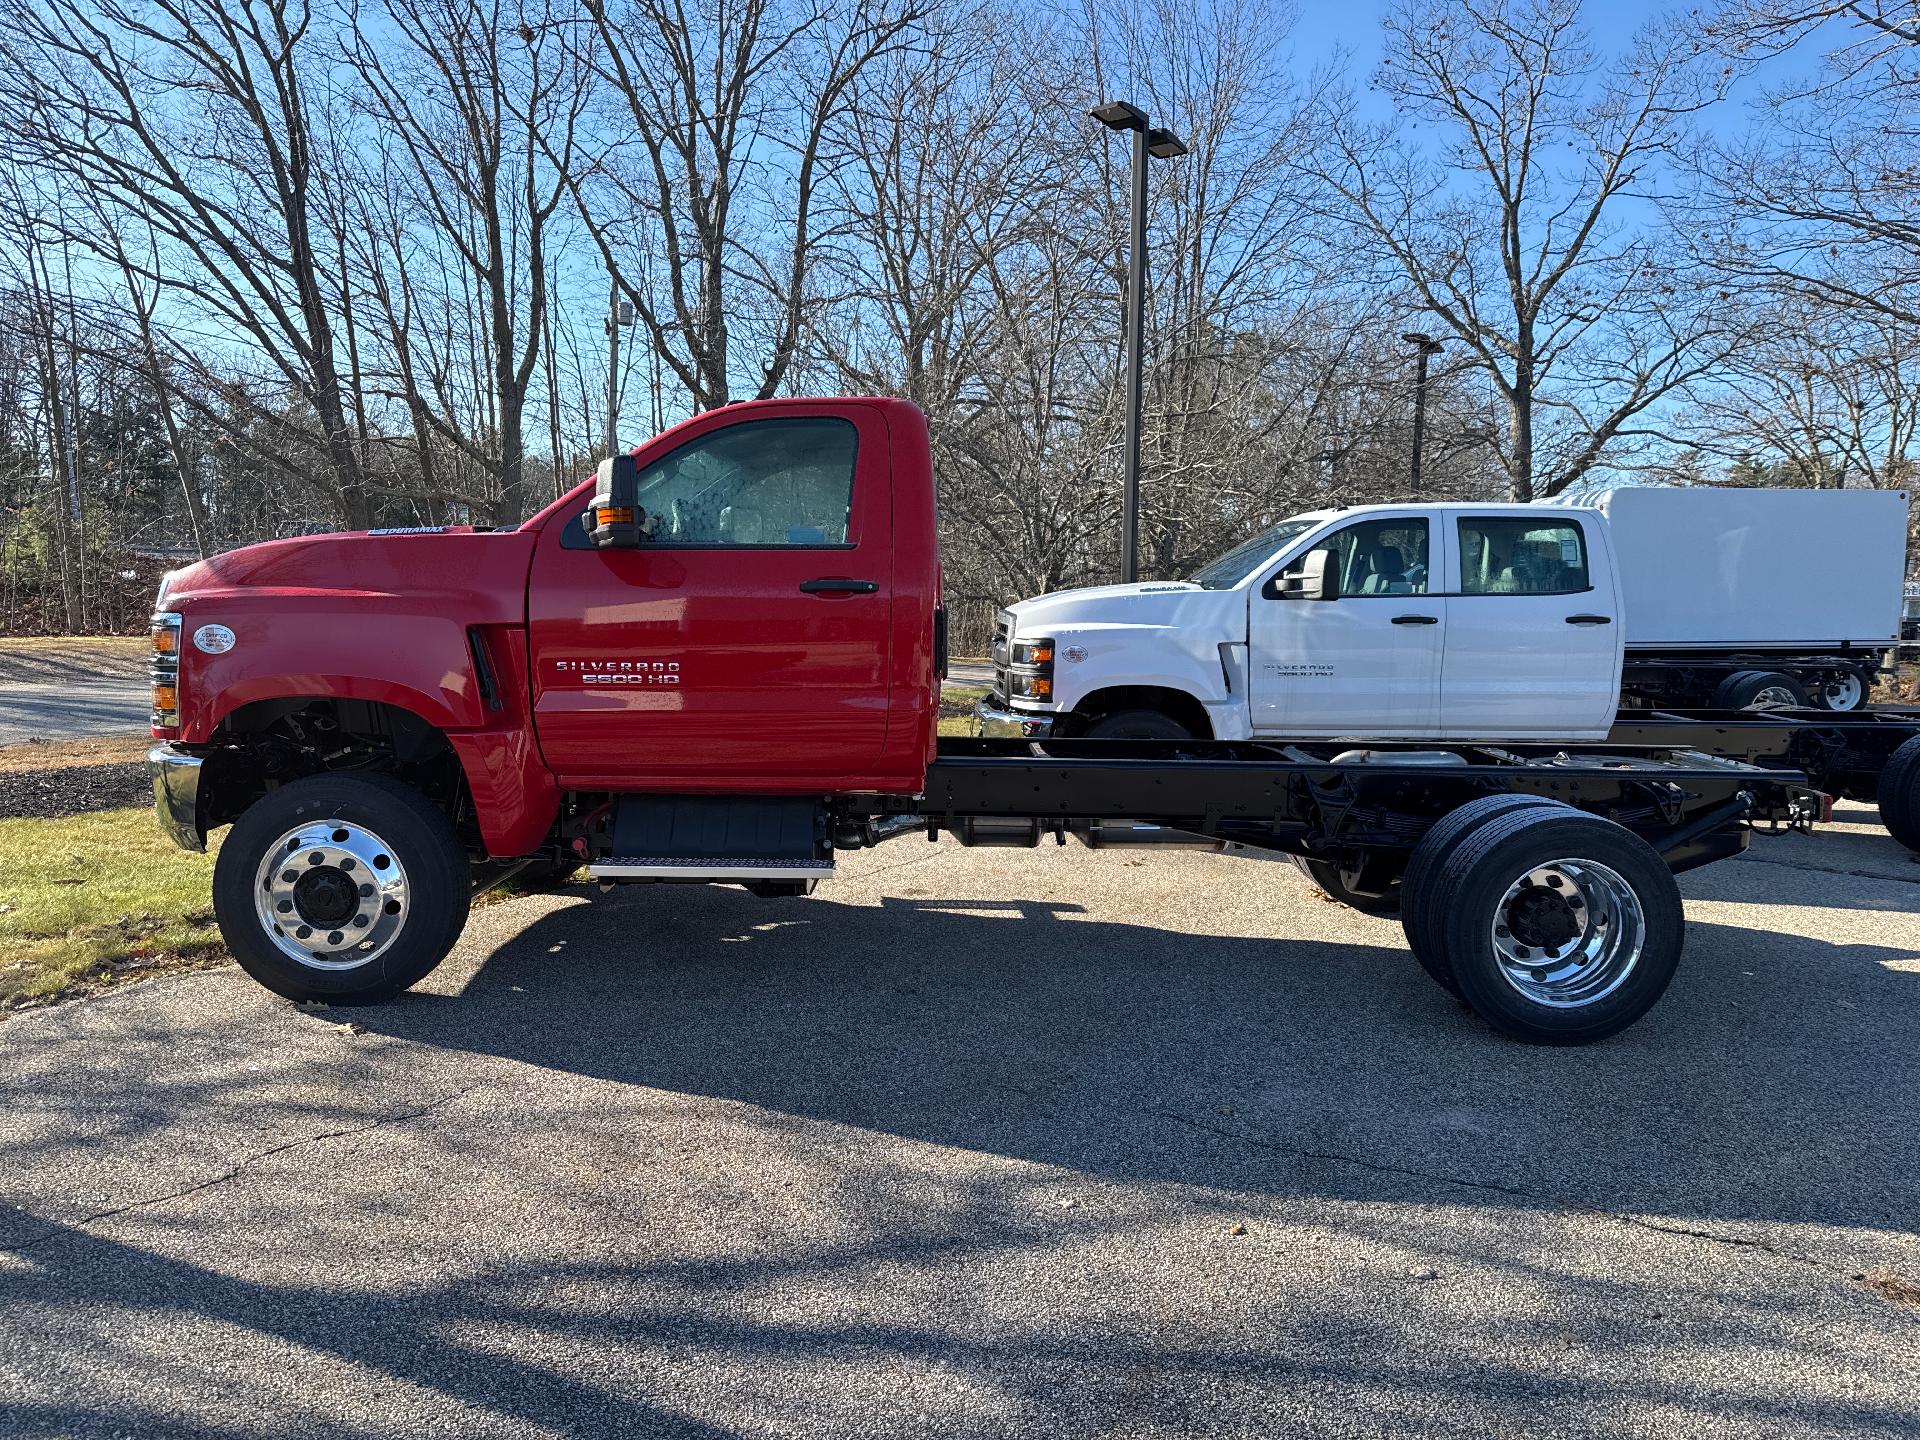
{"x": 982, "y": 1144}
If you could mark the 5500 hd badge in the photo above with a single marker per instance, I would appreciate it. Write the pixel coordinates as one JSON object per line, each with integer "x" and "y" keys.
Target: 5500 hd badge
{"x": 621, "y": 672}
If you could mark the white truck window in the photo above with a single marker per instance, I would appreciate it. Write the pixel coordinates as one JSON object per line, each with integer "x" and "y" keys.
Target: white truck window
{"x": 1507, "y": 555}
{"x": 1381, "y": 557}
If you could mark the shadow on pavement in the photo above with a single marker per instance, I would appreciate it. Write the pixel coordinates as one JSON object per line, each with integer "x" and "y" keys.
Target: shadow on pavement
{"x": 1063, "y": 1039}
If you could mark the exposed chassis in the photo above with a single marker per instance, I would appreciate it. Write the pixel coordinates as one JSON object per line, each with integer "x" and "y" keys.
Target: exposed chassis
{"x": 1316, "y": 799}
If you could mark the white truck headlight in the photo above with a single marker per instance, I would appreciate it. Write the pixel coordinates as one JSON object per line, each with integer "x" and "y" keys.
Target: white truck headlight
{"x": 1030, "y": 672}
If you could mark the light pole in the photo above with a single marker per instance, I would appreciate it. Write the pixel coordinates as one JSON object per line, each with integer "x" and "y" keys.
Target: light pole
{"x": 1424, "y": 346}
{"x": 1161, "y": 145}
{"x": 619, "y": 314}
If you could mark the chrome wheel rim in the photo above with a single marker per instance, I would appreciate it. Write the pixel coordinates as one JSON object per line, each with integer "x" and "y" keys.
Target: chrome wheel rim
{"x": 1773, "y": 697}
{"x": 1568, "y": 933}
{"x": 331, "y": 895}
{"x": 1844, "y": 693}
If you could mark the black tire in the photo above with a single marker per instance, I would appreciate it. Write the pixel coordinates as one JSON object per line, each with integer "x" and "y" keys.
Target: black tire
{"x": 1624, "y": 903}
{"x": 1761, "y": 690}
{"x": 1417, "y": 888}
{"x": 1898, "y": 794}
{"x": 1137, "y": 725}
{"x": 1326, "y": 875}
{"x": 427, "y": 912}
{"x": 1843, "y": 691}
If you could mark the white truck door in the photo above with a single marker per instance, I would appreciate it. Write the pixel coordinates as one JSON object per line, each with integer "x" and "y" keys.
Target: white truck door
{"x": 1365, "y": 663}
{"x": 1533, "y": 629}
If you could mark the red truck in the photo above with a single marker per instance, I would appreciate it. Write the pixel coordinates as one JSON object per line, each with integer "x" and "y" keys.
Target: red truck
{"x": 719, "y": 661}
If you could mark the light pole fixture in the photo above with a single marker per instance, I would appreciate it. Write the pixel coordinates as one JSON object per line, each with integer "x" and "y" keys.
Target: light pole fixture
{"x": 1425, "y": 346}
{"x": 1161, "y": 145}
{"x": 619, "y": 315}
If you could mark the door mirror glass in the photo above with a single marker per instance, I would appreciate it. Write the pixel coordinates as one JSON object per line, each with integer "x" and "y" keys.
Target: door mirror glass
{"x": 1311, "y": 577}
{"x": 614, "y": 519}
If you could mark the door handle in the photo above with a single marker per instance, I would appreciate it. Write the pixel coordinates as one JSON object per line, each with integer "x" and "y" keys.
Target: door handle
{"x": 1589, "y": 619}
{"x": 835, "y": 585}
{"x": 1416, "y": 619}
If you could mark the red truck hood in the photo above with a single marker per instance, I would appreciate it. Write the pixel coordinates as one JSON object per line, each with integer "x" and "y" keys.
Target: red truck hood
{"x": 477, "y": 576}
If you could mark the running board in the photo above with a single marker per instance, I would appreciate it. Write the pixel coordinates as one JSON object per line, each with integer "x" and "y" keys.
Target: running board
{"x": 707, "y": 867}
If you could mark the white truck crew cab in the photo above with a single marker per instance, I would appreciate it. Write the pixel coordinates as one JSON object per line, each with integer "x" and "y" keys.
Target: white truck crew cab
{"x": 1385, "y": 621}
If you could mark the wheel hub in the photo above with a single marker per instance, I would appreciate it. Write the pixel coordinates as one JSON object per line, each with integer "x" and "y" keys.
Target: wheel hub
{"x": 325, "y": 895}
{"x": 1568, "y": 933}
{"x": 1544, "y": 918}
{"x": 331, "y": 894}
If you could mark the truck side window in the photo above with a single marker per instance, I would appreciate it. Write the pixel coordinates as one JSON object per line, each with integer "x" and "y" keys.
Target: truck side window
{"x": 1381, "y": 557}
{"x": 757, "y": 485}
{"x": 1513, "y": 556}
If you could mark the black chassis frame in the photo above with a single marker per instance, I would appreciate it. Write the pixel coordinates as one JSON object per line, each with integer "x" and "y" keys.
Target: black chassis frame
{"x": 1686, "y": 673}
{"x": 1367, "y": 813}
{"x": 1841, "y": 752}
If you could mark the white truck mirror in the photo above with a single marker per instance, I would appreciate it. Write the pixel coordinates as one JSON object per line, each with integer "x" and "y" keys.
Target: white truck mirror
{"x": 1311, "y": 577}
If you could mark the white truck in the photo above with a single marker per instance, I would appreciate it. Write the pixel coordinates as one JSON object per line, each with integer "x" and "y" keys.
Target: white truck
{"x": 1486, "y": 622}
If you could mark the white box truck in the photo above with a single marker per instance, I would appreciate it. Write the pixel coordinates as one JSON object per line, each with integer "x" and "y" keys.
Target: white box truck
{"x": 1738, "y": 596}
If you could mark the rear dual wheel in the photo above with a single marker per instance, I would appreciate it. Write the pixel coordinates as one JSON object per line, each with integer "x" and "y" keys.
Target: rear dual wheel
{"x": 1555, "y": 926}
{"x": 341, "y": 888}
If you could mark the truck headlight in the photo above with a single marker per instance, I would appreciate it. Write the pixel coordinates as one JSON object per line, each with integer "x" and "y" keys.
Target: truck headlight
{"x": 1030, "y": 673}
{"x": 163, "y": 669}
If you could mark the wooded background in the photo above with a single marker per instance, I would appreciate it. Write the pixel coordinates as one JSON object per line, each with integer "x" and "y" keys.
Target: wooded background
{"x": 276, "y": 266}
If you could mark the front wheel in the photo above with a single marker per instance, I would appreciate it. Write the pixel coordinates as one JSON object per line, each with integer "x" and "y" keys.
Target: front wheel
{"x": 341, "y": 888}
{"x": 1137, "y": 725}
{"x": 1560, "y": 928}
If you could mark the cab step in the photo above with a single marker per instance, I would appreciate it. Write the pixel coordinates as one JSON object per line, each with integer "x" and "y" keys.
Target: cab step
{"x": 710, "y": 837}
{"x": 707, "y": 867}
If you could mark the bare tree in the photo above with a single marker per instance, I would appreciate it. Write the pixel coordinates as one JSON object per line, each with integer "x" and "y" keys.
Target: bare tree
{"x": 713, "y": 152}
{"x": 195, "y": 117}
{"x": 1510, "y": 226}
{"x": 477, "y": 101}
{"x": 1820, "y": 195}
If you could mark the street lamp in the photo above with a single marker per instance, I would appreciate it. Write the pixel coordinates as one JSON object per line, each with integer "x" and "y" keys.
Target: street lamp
{"x": 1424, "y": 346}
{"x": 619, "y": 314}
{"x": 1161, "y": 145}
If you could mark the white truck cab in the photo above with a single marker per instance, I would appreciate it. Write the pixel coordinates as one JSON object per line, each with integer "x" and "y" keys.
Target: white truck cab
{"x": 1380, "y": 621}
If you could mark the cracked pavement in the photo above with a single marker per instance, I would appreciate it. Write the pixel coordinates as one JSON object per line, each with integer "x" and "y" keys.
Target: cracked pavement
{"x": 982, "y": 1144}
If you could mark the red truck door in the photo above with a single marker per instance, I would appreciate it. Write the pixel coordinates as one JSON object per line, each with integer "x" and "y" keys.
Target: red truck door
{"x": 746, "y": 643}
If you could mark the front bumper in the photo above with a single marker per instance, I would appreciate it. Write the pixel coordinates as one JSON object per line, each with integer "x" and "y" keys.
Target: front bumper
{"x": 998, "y": 723}
{"x": 176, "y": 795}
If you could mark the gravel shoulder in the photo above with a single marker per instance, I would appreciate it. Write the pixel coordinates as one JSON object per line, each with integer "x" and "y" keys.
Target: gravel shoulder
{"x": 984, "y": 1144}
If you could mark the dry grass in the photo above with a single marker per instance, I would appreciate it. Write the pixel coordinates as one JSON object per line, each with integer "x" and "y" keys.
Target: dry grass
{"x": 95, "y": 646}
{"x": 70, "y": 754}
{"x": 89, "y": 901}
{"x": 1892, "y": 1285}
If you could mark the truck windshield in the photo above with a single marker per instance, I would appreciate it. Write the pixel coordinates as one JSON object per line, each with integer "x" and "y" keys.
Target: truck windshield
{"x": 1249, "y": 555}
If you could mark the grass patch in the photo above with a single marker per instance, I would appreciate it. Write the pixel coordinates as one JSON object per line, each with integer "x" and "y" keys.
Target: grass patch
{"x": 92, "y": 900}
{"x": 956, "y": 708}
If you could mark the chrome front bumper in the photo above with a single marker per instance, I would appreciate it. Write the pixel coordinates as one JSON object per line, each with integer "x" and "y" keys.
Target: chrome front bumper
{"x": 1001, "y": 724}
{"x": 176, "y": 795}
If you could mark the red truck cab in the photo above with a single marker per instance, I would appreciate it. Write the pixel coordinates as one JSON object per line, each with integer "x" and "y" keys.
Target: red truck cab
{"x": 774, "y": 634}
